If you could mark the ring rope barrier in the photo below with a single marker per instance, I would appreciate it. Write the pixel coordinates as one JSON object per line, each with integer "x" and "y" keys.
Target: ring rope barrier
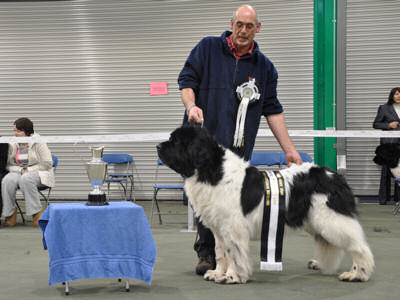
{"x": 161, "y": 136}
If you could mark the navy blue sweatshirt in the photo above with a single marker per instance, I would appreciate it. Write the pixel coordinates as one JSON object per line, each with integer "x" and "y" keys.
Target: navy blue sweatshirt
{"x": 213, "y": 73}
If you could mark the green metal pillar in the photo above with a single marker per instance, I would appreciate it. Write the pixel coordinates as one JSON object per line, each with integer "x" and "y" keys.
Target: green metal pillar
{"x": 325, "y": 80}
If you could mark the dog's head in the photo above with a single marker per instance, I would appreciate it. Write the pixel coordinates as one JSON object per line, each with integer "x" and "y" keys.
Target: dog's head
{"x": 191, "y": 149}
{"x": 387, "y": 154}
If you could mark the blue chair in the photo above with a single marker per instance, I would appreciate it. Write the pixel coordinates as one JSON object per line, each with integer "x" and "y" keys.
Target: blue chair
{"x": 43, "y": 190}
{"x": 266, "y": 158}
{"x": 304, "y": 156}
{"x": 120, "y": 170}
{"x": 157, "y": 187}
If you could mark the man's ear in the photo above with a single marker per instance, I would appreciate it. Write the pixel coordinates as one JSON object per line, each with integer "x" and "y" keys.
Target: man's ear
{"x": 258, "y": 27}
{"x": 231, "y": 24}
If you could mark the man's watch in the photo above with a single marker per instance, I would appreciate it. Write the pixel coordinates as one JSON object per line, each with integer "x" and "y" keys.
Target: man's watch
{"x": 24, "y": 169}
{"x": 189, "y": 108}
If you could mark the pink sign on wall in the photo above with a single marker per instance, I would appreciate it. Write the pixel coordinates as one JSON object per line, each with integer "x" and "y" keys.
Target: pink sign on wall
{"x": 158, "y": 88}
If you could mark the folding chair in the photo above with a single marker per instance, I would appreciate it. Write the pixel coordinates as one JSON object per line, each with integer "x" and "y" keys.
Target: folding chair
{"x": 157, "y": 187}
{"x": 120, "y": 170}
{"x": 43, "y": 190}
{"x": 304, "y": 157}
{"x": 267, "y": 158}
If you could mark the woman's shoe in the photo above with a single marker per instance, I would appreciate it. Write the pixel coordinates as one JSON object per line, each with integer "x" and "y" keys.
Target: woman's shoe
{"x": 36, "y": 217}
{"x": 10, "y": 221}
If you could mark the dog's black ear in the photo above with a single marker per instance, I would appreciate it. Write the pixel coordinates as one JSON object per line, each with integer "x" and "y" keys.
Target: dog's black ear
{"x": 387, "y": 154}
{"x": 207, "y": 157}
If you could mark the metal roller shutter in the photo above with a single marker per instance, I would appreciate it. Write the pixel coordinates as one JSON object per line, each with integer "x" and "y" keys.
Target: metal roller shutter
{"x": 84, "y": 67}
{"x": 373, "y": 56}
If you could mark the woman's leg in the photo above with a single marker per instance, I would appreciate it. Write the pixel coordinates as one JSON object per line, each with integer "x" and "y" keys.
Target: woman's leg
{"x": 28, "y": 184}
{"x": 384, "y": 188}
{"x": 9, "y": 186}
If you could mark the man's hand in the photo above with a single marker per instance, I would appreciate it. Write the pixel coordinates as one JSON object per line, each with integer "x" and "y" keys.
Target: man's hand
{"x": 293, "y": 157}
{"x": 195, "y": 115}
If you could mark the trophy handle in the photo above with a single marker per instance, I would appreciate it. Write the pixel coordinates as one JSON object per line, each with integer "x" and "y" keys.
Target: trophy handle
{"x": 77, "y": 153}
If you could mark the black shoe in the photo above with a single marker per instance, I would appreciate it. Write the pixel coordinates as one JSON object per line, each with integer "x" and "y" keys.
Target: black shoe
{"x": 382, "y": 202}
{"x": 206, "y": 262}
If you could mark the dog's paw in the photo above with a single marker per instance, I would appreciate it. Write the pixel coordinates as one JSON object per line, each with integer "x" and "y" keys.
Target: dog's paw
{"x": 231, "y": 278}
{"x": 353, "y": 277}
{"x": 313, "y": 264}
{"x": 211, "y": 275}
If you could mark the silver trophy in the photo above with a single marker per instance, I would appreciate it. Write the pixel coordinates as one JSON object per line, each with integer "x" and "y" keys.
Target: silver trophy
{"x": 96, "y": 170}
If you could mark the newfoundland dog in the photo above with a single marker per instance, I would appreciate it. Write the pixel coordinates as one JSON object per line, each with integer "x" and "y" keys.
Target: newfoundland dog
{"x": 227, "y": 194}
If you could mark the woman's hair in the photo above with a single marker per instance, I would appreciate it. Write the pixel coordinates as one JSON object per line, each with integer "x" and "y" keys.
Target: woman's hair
{"x": 392, "y": 92}
{"x": 24, "y": 124}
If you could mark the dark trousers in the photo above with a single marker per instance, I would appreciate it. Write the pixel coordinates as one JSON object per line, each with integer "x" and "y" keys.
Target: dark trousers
{"x": 205, "y": 242}
{"x": 385, "y": 185}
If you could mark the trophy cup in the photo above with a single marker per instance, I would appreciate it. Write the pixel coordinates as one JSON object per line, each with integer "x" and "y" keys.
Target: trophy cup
{"x": 96, "y": 170}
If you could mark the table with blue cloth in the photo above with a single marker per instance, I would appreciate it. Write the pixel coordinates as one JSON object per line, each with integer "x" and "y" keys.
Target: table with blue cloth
{"x": 110, "y": 241}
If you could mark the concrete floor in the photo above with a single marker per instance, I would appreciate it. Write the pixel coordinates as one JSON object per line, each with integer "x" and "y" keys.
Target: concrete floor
{"x": 24, "y": 267}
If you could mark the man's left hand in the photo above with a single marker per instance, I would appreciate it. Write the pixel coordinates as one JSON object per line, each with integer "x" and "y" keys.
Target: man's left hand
{"x": 293, "y": 157}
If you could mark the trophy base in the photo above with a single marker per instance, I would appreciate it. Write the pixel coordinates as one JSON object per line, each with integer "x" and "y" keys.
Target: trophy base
{"x": 97, "y": 200}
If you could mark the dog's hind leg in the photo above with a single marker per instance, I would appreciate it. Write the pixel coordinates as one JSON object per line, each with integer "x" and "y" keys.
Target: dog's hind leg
{"x": 338, "y": 232}
{"x": 363, "y": 260}
{"x": 328, "y": 257}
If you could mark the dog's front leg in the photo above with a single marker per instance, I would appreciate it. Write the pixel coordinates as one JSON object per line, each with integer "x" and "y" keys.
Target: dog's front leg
{"x": 219, "y": 272}
{"x": 233, "y": 261}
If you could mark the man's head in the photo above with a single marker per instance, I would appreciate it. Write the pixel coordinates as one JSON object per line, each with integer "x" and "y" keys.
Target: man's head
{"x": 244, "y": 25}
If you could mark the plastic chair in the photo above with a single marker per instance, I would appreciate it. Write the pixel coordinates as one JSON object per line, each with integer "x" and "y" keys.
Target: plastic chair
{"x": 120, "y": 170}
{"x": 266, "y": 158}
{"x": 43, "y": 190}
{"x": 157, "y": 187}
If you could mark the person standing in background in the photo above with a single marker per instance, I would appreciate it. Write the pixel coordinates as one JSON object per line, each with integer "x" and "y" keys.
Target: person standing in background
{"x": 388, "y": 118}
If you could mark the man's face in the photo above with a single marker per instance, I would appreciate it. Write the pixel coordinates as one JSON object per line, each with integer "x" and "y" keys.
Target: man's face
{"x": 244, "y": 27}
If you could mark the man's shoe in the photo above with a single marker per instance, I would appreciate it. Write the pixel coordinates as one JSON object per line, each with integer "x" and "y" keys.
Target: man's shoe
{"x": 206, "y": 262}
{"x": 10, "y": 221}
{"x": 382, "y": 202}
{"x": 35, "y": 218}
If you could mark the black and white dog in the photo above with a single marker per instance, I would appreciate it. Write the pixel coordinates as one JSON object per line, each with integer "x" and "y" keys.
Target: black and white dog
{"x": 389, "y": 154}
{"x": 227, "y": 194}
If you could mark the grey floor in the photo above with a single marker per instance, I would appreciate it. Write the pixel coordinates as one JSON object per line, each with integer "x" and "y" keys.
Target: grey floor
{"x": 24, "y": 267}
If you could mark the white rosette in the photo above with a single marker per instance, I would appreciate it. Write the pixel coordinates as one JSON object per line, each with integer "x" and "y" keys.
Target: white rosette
{"x": 247, "y": 93}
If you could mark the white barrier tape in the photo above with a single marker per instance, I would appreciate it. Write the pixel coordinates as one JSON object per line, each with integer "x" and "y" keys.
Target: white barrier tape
{"x": 162, "y": 136}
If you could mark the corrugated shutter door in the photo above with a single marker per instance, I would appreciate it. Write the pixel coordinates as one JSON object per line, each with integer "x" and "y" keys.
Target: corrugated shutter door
{"x": 373, "y": 56}
{"x": 84, "y": 67}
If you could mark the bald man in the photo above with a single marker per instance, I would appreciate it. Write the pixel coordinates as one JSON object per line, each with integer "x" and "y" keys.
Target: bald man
{"x": 212, "y": 82}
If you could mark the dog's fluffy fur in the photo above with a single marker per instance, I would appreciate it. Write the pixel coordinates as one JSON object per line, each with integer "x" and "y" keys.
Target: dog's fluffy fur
{"x": 227, "y": 194}
{"x": 388, "y": 154}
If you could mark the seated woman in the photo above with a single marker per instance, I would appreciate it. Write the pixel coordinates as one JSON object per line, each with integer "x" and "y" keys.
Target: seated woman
{"x": 29, "y": 165}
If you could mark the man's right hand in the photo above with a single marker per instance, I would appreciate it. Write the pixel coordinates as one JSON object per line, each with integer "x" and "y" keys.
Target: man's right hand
{"x": 195, "y": 115}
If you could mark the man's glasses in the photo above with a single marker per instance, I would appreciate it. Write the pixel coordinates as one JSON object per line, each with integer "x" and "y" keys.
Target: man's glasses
{"x": 240, "y": 25}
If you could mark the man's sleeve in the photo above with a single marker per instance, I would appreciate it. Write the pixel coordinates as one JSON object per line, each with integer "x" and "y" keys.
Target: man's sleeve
{"x": 271, "y": 105}
{"x": 191, "y": 74}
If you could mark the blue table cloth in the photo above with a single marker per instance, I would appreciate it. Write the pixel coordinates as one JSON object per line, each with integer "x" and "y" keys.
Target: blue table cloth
{"x": 110, "y": 241}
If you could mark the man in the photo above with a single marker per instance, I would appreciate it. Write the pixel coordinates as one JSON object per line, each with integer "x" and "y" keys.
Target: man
{"x": 214, "y": 70}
